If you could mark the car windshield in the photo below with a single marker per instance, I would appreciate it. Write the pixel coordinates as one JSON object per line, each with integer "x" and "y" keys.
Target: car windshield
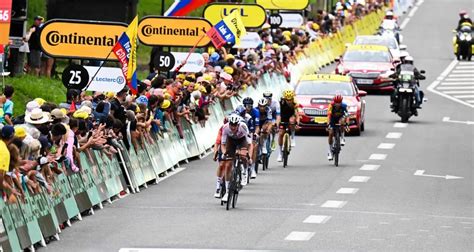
{"x": 366, "y": 56}
{"x": 324, "y": 88}
{"x": 377, "y": 40}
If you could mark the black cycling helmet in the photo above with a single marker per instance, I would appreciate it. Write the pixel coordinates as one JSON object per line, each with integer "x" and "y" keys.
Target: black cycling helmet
{"x": 247, "y": 101}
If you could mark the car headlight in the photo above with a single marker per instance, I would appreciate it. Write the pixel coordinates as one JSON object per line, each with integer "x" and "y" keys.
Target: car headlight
{"x": 352, "y": 109}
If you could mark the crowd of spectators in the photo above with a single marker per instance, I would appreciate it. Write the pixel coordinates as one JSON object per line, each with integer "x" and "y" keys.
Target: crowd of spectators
{"x": 47, "y": 134}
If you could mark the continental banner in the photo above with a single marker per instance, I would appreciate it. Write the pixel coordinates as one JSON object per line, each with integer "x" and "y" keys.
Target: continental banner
{"x": 78, "y": 39}
{"x": 173, "y": 31}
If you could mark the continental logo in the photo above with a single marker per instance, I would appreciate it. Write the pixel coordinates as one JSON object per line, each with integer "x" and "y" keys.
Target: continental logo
{"x": 173, "y": 31}
{"x": 283, "y": 4}
{"x": 79, "y": 39}
{"x": 55, "y": 38}
{"x": 253, "y": 15}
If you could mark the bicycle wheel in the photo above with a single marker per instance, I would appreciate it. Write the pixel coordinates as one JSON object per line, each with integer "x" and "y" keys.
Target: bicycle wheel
{"x": 234, "y": 179}
{"x": 265, "y": 162}
{"x": 337, "y": 149}
{"x": 223, "y": 190}
{"x": 286, "y": 146}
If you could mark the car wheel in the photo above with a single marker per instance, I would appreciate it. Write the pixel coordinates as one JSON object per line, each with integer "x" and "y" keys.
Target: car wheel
{"x": 362, "y": 126}
{"x": 356, "y": 131}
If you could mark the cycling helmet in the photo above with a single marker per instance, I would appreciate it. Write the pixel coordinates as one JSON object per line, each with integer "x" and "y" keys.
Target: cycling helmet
{"x": 240, "y": 110}
{"x": 288, "y": 94}
{"x": 403, "y": 55}
{"x": 247, "y": 101}
{"x": 409, "y": 60}
{"x": 389, "y": 14}
{"x": 337, "y": 98}
{"x": 462, "y": 13}
{"x": 267, "y": 94}
{"x": 234, "y": 119}
{"x": 263, "y": 102}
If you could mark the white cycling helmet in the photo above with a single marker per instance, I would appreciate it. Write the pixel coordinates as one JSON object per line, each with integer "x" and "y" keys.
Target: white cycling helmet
{"x": 234, "y": 119}
{"x": 267, "y": 94}
{"x": 263, "y": 102}
{"x": 409, "y": 59}
{"x": 389, "y": 13}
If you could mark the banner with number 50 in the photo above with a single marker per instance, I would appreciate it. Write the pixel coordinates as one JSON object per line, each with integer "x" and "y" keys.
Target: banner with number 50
{"x": 5, "y": 17}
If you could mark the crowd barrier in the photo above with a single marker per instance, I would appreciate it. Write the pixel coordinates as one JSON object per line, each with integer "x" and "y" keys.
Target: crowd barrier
{"x": 324, "y": 50}
{"x": 103, "y": 178}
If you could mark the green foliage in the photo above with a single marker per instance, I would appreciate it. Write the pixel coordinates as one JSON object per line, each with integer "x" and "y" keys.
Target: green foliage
{"x": 29, "y": 87}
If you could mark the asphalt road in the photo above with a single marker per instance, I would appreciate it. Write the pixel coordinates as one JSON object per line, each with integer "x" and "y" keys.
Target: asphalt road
{"x": 393, "y": 210}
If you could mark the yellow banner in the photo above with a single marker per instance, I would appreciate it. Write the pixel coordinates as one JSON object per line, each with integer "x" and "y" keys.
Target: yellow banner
{"x": 236, "y": 26}
{"x": 283, "y": 4}
{"x": 253, "y": 15}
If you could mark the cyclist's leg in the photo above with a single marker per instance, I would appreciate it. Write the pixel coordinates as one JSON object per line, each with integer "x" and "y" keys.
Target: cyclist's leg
{"x": 293, "y": 131}
{"x": 229, "y": 157}
{"x": 281, "y": 132}
{"x": 330, "y": 138}
{"x": 264, "y": 137}
{"x": 342, "y": 121}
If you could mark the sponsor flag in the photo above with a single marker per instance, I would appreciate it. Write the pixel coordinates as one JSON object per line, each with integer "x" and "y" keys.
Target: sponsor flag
{"x": 228, "y": 30}
{"x": 183, "y": 7}
{"x": 126, "y": 52}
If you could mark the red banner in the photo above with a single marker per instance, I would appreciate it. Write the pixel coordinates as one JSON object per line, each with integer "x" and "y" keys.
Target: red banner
{"x": 5, "y": 18}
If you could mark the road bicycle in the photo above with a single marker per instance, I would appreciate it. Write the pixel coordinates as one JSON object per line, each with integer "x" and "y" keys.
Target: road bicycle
{"x": 238, "y": 165}
{"x": 286, "y": 143}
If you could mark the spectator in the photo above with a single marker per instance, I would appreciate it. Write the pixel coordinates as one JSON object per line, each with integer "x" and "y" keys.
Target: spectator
{"x": 33, "y": 39}
{"x": 6, "y": 118}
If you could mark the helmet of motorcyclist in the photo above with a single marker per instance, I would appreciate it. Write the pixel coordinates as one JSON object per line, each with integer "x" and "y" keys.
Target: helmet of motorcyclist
{"x": 267, "y": 94}
{"x": 234, "y": 119}
{"x": 247, "y": 101}
{"x": 288, "y": 94}
{"x": 389, "y": 14}
{"x": 262, "y": 102}
{"x": 240, "y": 110}
{"x": 337, "y": 98}
{"x": 403, "y": 55}
{"x": 409, "y": 60}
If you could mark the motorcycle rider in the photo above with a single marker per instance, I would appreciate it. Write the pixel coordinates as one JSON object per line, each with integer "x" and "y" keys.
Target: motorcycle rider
{"x": 463, "y": 18}
{"x": 408, "y": 65}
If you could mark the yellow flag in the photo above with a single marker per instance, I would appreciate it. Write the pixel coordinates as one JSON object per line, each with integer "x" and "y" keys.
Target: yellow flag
{"x": 234, "y": 22}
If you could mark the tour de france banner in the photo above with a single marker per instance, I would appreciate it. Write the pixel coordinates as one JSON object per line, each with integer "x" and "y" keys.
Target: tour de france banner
{"x": 228, "y": 30}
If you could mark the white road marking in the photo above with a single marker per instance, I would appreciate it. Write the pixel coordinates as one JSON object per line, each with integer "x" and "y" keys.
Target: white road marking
{"x": 464, "y": 67}
{"x": 400, "y": 125}
{"x": 446, "y": 226}
{"x": 362, "y": 227}
{"x": 466, "y": 222}
{"x": 334, "y": 204}
{"x": 412, "y": 12}
{"x": 393, "y": 135}
{"x": 299, "y": 236}
{"x": 384, "y": 223}
{"x": 404, "y": 23}
{"x": 422, "y": 230}
{"x": 470, "y": 101}
{"x": 461, "y": 75}
{"x": 345, "y": 190}
{"x": 466, "y": 62}
{"x": 454, "y": 88}
{"x": 419, "y": 2}
{"x": 359, "y": 179}
{"x": 459, "y": 92}
{"x": 433, "y": 87}
{"x": 386, "y": 146}
{"x": 458, "y": 79}
{"x": 317, "y": 219}
{"x": 447, "y": 119}
{"x": 422, "y": 173}
{"x": 461, "y": 71}
{"x": 378, "y": 156}
{"x": 464, "y": 96}
{"x": 456, "y": 83}
{"x": 369, "y": 167}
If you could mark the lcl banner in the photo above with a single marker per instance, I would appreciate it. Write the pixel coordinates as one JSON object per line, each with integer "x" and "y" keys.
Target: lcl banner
{"x": 5, "y": 18}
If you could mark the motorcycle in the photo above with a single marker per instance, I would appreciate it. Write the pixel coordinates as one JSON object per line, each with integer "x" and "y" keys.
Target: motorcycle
{"x": 390, "y": 28}
{"x": 462, "y": 42}
{"x": 404, "y": 97}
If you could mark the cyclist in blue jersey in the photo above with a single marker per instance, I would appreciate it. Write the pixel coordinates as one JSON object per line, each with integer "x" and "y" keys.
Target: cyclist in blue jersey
{"x": 266, "y": 120}
{"x": 254, "y": 128}
{"x": 276, "y": 111}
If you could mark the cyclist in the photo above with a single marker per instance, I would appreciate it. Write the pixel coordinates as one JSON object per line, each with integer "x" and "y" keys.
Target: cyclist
{"x": 289, "y": 109}
{"x": 235, "y": 134}
{"x": 337, "y": 113}
{"x": 275, "y": 106}
{"x": 254, "y": 127}
{"x": 265, "y": 122}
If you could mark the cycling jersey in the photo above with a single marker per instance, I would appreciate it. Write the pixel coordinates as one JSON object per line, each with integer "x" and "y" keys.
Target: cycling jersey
{"x": 287, "y": 110}
{"x": 275, "y": 106}
{"x": 265, "y": 116}
{"x": 254, "y": 120}
{"x": 242, "y": 132}
{"x": 335, "y": 114}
